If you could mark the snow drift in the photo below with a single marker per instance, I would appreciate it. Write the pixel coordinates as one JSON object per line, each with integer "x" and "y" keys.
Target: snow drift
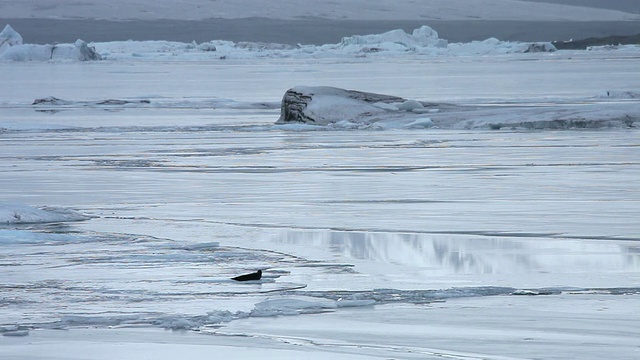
{"x": 324, "y": 105}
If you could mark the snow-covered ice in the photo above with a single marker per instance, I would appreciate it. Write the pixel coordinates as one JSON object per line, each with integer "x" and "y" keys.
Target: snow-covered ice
{"x": 499, "y": 221}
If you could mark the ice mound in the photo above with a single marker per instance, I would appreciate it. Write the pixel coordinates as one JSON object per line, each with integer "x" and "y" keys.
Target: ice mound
{"x": 323, "y": 105}
{"x": 25, "y": 214}
{"x": 13, "y": 49}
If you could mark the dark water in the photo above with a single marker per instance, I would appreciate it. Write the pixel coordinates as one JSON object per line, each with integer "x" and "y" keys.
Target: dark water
{"x": 631, "y": 6}
{"x": 305, "y": 31}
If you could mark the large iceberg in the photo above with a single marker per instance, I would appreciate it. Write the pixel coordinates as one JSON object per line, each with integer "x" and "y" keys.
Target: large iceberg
{"x": 13, "y": 49}
{"x": 422, "y": 37}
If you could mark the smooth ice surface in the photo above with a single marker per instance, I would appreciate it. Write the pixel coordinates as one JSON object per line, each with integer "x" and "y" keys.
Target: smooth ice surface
{"x": 549, "y": 327}
{"x": 382, "y": 242}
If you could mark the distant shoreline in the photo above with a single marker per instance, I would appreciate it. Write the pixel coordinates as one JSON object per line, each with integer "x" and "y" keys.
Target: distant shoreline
{"x": 310, "y": 31}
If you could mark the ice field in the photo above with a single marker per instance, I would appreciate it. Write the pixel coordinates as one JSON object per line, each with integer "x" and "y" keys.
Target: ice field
{"x": 129, "y": 200}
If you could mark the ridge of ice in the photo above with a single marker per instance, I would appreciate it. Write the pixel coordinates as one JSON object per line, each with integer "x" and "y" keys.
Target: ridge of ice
{"x": 53, "y": 102}
{"x": 422, "y": 41}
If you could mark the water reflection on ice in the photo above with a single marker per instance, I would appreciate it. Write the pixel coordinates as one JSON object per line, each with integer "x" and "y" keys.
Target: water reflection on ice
{"x": 444, "y": 255}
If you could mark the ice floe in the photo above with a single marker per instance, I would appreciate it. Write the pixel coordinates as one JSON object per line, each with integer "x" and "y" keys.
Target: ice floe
{"x": 292, "y": 306}
{"x": 313, "y": 108}
{"x": 25, "y": 214}
{"x": 336, "y": 108}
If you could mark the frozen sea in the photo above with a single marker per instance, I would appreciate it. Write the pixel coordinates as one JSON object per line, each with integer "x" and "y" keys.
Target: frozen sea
{"x": 125, "y": 219}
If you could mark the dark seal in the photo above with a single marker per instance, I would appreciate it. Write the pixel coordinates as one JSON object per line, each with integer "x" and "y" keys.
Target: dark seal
{"x": 248, "y": 277}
